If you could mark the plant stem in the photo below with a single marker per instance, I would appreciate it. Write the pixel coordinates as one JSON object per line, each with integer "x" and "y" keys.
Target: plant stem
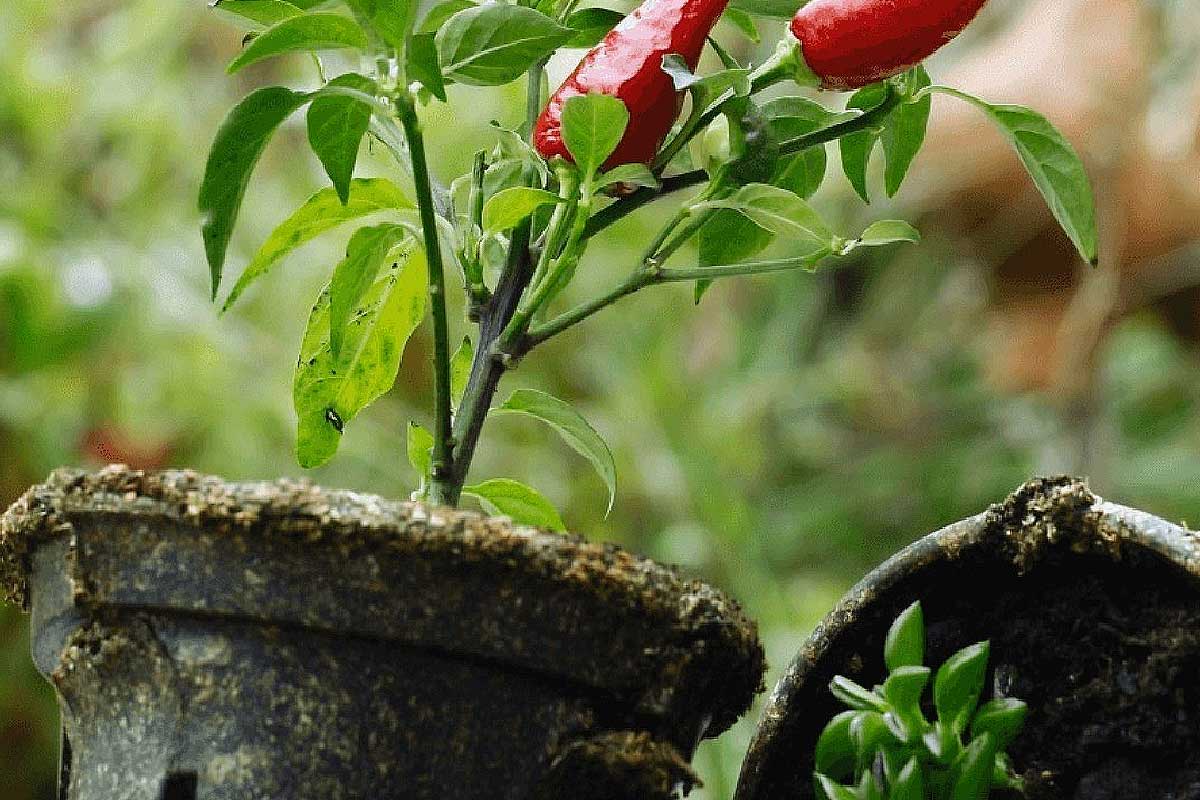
{"x": 559, "y": 225}
{"x": 637, "y": 280}
{"x": 443, "y": 441}
{"x": 533, "y": 95}
{"x": 557, "y": 258}
{"x": 748, "y": 268}
{"x": 627, "y": 205}
{"x": 477, "y": 291}
{"x": 489, "y": 366}
{"x": 649, "y": 275}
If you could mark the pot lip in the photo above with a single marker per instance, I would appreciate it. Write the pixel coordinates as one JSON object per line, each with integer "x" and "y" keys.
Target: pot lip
{"x": 690, "y": 614}
{"x": 1041, "y": 513}
{"x": 305, "y": 513}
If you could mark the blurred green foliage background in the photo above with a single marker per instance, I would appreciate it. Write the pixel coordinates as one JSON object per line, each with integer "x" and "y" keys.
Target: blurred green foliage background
{"x": 779, "y": 439}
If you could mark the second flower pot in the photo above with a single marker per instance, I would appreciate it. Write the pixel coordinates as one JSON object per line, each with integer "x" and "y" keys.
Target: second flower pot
{"x": 1093, "y": 614}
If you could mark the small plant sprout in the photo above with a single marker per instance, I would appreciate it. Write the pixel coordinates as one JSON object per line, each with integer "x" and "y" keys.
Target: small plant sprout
{"x": 884, "y": 748}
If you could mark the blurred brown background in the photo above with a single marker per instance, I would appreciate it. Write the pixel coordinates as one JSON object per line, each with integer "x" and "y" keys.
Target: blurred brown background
{"x": 779, "y": 439}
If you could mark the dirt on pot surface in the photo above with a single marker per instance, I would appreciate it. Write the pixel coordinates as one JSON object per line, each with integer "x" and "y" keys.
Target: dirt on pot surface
{"x": 1108, "y": 658}
{"x": 1098, "y": 634}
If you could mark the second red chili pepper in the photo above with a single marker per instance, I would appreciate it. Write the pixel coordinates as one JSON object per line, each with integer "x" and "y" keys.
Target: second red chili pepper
{"x": 852, "y": 43}
{"x": 628, "y": 65}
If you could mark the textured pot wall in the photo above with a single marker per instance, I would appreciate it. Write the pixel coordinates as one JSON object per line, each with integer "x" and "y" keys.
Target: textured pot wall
{"x": 274, "y": 640}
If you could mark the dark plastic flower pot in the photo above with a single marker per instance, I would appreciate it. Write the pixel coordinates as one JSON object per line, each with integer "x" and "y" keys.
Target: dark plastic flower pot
{"x": 1093, "y": 613}
{"x": 272, "y": 640}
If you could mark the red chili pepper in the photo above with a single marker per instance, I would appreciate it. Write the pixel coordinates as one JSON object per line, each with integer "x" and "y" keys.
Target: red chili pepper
{"x": 628, "y": 65}
{"x": 852, "y": 43}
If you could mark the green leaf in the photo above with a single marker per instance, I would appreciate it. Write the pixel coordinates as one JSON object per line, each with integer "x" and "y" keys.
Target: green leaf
{"x": 888, "y": 231}
{"x": 802, "y": 173}
{"x": 904, "y": 131}
{"x": 336, "y": 126}
{"x": 958, "y": 684}
{"x": 460, "y": 370}
{"x": 239, "y": 144}
{"x": 423, "y": 66}
{"x": 942, "y": 743}
{"x": 905, "y": 642}
{"x": 1003, "y": 718}
{"x": 780, "y": 212}
{"x": 305, "y": 33}
{"x": 1004, "y": 777}
{"x": 438, "y": 15}
{"x": 389, "y": 18}
{"x": 705, "y": 90}
{"x": 572, "y": 427}
{"x": 494, "y": 44}
{"x": 592, "y": 127}
{"x": 514, "y": 499}
{"x": 329, "y": 392}
{"x": 420, "y": 455}
{"x": 503, "y": 174}
{"x": 628, "y": 175}
{"x": 728, "y": 61}
{"x": 855, "y": 696}
{"x": 868, "y": 786}
{"x": 791, "y": 117}
{"x": 772, "y": 9}
{"x": 590, "y": 25}
{"x": 857, "y": 147}
{"x": 365, "y": 256}
{"x": 508, "y": 207}
{"x": 869, "y": 733}
{"x": 1055, "y": 167}
{"x": 728, "y": 237}
{"x": 323, "y": 211}
{"x": 974, "y": 770}
{"x": 834, "y": 754}
{"x": 827, "y": 789}
{"x": 904, "y": 685}
{"x": 258, "y": 13}
{"x": 910, "y": 783}
{"x": 743, "y": 22}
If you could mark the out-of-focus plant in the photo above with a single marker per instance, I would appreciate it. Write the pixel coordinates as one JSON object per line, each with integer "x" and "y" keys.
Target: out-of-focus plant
{"x": 884, "y": 748}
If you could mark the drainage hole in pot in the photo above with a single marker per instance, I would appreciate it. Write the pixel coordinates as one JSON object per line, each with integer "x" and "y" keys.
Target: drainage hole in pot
{"x": 179, "y": 786}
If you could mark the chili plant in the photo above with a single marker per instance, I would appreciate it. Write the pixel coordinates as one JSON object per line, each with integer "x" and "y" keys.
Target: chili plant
{"x": 516, "y": 228}
{"x": 888, "y": 750}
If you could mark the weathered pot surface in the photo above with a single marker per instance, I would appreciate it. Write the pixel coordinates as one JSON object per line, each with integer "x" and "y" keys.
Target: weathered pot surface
{"x": 1093, "y": 613}
{"x": 214, "y": 641}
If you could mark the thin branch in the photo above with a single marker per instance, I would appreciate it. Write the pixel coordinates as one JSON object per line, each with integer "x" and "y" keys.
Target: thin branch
{"x": 443, "y": 441}
{"x": 649, "y": 276}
